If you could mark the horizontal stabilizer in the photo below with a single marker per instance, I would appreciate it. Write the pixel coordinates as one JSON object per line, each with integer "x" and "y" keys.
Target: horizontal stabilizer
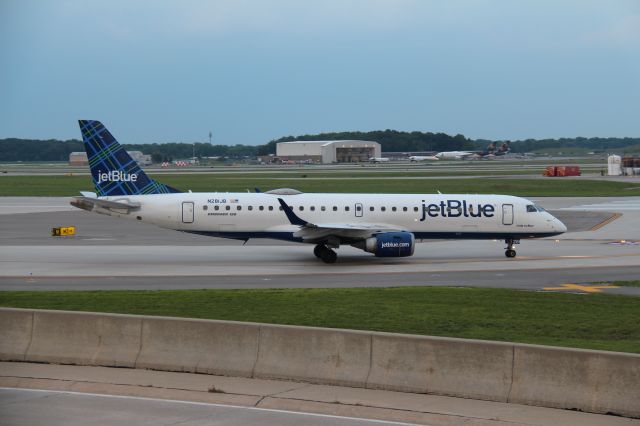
{"x": 89, "y": 203}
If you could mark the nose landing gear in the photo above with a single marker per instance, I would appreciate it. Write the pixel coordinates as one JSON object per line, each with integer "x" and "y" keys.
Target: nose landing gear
{"x": 510, "y": 251}
{"x": 325, "y": 254}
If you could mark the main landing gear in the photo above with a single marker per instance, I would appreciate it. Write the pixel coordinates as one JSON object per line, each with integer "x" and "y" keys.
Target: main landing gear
{"x": 510, "y": 251}
{"x": 325, "y": 253}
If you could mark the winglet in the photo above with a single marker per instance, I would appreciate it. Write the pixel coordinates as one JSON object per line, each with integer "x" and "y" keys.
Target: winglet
{"x": 295, "y": 220}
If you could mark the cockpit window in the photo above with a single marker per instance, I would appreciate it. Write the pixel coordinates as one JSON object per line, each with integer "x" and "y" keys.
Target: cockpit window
{"x": 531, "y": 208}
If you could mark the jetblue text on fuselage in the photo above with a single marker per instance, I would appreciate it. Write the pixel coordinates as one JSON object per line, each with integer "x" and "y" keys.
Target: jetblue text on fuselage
{"x": 116, "y": 176}
{"x": 456, "y": 208}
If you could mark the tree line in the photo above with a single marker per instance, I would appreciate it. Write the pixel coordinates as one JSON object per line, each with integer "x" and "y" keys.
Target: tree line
{"x": 13, "y": 149}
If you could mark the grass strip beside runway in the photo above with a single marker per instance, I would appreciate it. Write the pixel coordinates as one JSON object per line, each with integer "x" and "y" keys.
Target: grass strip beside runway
{"x": 627, "y": 283}
{"x": 51, "y": 186}
{"x": 596, "y": 321}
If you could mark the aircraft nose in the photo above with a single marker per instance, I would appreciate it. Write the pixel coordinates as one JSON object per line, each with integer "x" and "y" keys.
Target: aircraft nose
{"x": 559, "y": 226}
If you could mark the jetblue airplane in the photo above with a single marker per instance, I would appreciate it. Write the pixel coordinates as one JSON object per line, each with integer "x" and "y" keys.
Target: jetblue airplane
{"x": 387, "y": 225}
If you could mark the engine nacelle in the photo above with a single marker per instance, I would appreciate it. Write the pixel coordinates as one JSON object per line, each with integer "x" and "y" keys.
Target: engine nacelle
{"x": 390, "y": 244}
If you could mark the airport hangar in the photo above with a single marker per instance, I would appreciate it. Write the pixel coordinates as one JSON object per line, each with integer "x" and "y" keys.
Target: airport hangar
{"x": 327, "y": 152}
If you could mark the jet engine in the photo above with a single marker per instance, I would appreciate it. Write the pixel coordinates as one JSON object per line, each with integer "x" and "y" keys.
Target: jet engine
{"x": 389, "y": 244}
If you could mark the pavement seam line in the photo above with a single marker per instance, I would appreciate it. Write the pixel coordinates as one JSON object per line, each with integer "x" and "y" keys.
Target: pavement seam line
{"x": 255, "y": 363}
{"x": 405, "y": 410}
{"x": 302, "y": 386}
{"x": 74, "y": 381}
{"x": 33, "y": 325}
{"x": 259, "y": 401}
{"x": 513, "y": 367}
{"x": 366, "y": 382}
{"x": 135, "y": 362}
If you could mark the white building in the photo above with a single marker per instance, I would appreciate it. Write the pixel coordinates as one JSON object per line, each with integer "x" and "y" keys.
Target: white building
{"x": 140, "y": 158}
{"x": 349, "y": 151}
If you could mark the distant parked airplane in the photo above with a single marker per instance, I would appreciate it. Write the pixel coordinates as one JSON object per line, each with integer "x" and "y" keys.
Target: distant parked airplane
{"x": 387, "y": 225}
{"x": 415, "y": 158}
{"x": 490, "y": 152}
{"x": 378, "y": 160}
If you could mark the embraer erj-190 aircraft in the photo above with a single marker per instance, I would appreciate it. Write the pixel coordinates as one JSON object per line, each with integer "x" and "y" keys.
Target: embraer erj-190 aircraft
{"x": 387, "y": 225}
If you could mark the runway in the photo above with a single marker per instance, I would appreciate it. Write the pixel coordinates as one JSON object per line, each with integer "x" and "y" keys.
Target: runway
{"x": 109, "y": 253}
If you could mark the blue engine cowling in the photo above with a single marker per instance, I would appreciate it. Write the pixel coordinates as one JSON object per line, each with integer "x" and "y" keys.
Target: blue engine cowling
{"x": 390, "y": 244}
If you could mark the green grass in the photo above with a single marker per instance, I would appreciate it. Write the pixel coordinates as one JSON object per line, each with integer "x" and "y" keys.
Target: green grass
{"x": 597, "y": 321}
{"x": 71, "y": 185}
{"x": 627, "y": 283}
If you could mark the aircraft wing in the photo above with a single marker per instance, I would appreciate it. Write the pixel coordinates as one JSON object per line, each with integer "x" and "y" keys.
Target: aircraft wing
{"x": 312, "y": 232}
{"x": 90, "y": 202}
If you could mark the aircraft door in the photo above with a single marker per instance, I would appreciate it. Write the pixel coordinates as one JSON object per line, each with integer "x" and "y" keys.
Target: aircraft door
{"x": 507, "y": 214}
{"x": 187, "y": 212}
{"x": 359, "y": 210}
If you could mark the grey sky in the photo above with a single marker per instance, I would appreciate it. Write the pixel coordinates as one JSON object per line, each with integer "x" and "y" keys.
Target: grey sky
{"x": 252, "y": 71}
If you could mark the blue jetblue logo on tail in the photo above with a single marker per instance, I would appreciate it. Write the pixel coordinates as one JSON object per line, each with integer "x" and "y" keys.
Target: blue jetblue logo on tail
{"x": 114, "y": 172}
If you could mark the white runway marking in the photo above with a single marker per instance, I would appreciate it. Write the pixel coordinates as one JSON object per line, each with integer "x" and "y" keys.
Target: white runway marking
{"x": 613, "y": 206}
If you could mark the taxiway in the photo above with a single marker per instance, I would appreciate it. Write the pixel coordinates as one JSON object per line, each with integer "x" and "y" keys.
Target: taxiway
{"x": 107, "y": 253}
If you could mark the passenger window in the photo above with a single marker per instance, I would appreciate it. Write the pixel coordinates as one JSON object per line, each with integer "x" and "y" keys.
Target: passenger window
{"x": 301, "y": 208}
{"x": 239, "y": 207}
{"x": 261, "y": 208}
{"x": 358, "y": 208}
{"x": 227, "y": 207}
{"x": 312, "y": 208}
{"x": 346, "y": 208}
{"x": 383, "y": 209}
{"x": 216, "y": 208}
{"x": 404, "y": 209}
{"x": 393, "y": 209}
{"x": 415, "y": 209}
{"x": 271, "y": 208}
{"x": 280, "y": 208}
{"x": 322, "y": 208}
{"x": 335, "y": 209}
{"x": 371, "y": 208}
{"x": 205, "y": 208}
{"x": 250, "y": 208}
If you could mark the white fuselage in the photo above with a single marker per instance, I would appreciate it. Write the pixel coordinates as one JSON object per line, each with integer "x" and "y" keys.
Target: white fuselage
{"x": 454, "y": 155}
{"x": 256, "y": 215}
{"x": 423, "y": 158}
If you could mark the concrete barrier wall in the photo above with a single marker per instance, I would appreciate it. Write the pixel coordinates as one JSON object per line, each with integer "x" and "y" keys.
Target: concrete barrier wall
{"x": 15, "y": 333}
{"x": 443, "y": 366}
{"x": 593, "y": 381}
{"x": 314, "y": 354}
{"x": 199, "y": 346}
{"x": 84, "y": 338}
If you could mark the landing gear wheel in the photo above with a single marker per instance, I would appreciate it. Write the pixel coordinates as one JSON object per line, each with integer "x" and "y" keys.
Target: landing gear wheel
{"x": 329, "y": 256}
{"x": 510, "y": 252}
{"x": 325, "y": 254}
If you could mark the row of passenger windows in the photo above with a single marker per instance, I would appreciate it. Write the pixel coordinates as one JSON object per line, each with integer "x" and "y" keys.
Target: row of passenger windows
{"x": 312, "y": 208}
